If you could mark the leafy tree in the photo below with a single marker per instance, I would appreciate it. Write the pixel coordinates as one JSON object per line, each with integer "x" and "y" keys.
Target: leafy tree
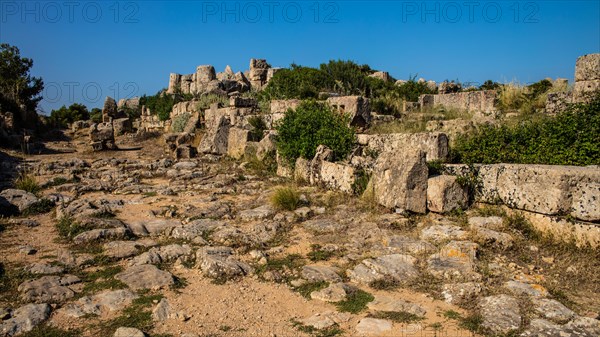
{"x": 489, "y": 85}
{"x": 96, "y": 115}
{"x": 310, "y": 125}
{"x": 17, "y": 87}
{"x": 160, "y": 104}
{"x": 63, "y": 116}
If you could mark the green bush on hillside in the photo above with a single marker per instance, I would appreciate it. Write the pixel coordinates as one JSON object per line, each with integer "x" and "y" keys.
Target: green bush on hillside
{"x": 570, "y": 138}
{"x": 60, "y": 118}
{"x": 310, "y": 125}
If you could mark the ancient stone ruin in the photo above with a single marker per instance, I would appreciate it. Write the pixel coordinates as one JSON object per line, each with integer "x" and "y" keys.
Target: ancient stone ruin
{"x": 198, "y": 226}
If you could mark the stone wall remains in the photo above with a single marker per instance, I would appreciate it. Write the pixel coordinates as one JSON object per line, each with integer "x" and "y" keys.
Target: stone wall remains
{"x": 480, "y": 103}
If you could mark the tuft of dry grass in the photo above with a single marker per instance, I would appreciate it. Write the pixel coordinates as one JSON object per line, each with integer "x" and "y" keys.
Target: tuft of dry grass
{"x": 27, "y": 182}
{"x": 286, "y": 198}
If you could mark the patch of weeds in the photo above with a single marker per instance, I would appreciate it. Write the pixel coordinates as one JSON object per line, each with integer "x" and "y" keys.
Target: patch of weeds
{"x": 332, "y": 331}
{"x": 27, "y": 182}
{"x": 490, "y": 210}
{"x": 451, "y": 314}
{"x": 179, "y": 283}
{"x": 361, "y": 181}
{"x": 397, "y": 316}
{"x": 386, "y": 283}
{"x": 520, "y": 223}
{"x": 57, "y": 181}
{"x": 102, "y": 279}
{"x": 41, "y": 207}
{"x": 136, "y": 316}
{"x": 225, "y": 328}
{"x": 263, "y": 168}
{"x": 319, "y": 254}
{"x": 287, "y": 264}
{"x": 307, "y": 288}
{"x": 436, "y": 167}
{"x": 104, "y": 215}
{"x": 355, "y": 302}
{"x": 68, "y": 228}
{"x": 437, "y": 326}
{"x": 428, "y": 284}
{"x": 286, "y": 198}
{"x": 45, "y": 330}
{"x": 10, "y": 279}
{"x": 93, "y": 248}
{"x": 471, "y": 323}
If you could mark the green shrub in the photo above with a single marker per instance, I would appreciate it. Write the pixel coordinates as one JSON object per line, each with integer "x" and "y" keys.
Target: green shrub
{"x": 180, "y": 121}
{"x": 310, "y": 125}
{"x": 297, "y": 82}
{"x": 285, "y": 198}
{"x": 570, "y": 138}
{"x": 309, "y": 287}
{"x": 160, "y": 104}
{"x": 258, "y": 128}
{"x": 355, "y": 302}
{"x": 206, "y": 100}
{"x": 27, "y": 182}
{"x": 412, "y": 89}
{"x": 68, "y": 228}
{"x": 40, "y": 207}
{"x": 63, "y": 116}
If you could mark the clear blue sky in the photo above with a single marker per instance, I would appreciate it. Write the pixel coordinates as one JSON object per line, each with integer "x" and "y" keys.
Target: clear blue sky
{"x": 87, "y": 50}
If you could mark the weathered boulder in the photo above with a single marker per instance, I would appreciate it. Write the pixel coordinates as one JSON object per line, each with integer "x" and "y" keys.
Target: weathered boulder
{"x": 333, "y": 293}
{"x": 24, "y": 319}
{"x": 373, "y": 326}
{"x": 266, "y": 147}
{"x": 500, "y": 313}
{"x": 219, "y": 263}
{"x": 158, "y": 255}
{"x": 545, "y": 189}
{"x": 434, "y": 144}
{"x": 145, "y": 276}
{"x": 121, "y": 126}
{"x": 587, "y": 68}
{"x": 586, "y": 201}
{"x": 106, "y": 301}
{"x": 317, "y": 273}
{"x": 216, "y": 139}
{"x": 19, "y": 199}
{"x": 128, "y": 332}
{"x": 400, "y": 181}
{"x": 48, "y": 289}
{"x": 102, "y": 136}
{"x": 390, "y": 304}
{"x": 445, "y": 194}
{"x": 109, "y": 111}
{"x": 357, "y": 108}
{"x": 237, "y": 142}
{"x": 459, "y": 293}
{"x": 455, "y": 261}
{"x": 397, "y": 266}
